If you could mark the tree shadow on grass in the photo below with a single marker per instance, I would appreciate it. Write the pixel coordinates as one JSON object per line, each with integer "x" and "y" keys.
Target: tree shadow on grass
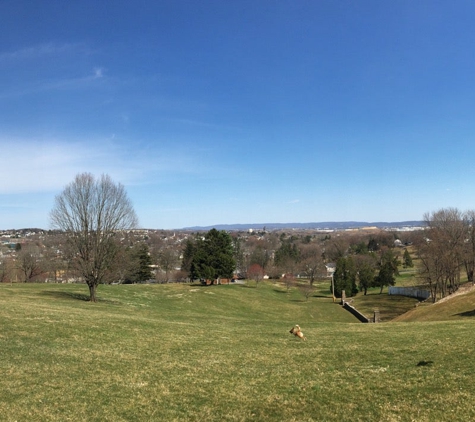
{"x": 280, "y": 291}
{"x": 467, "y": 313}
{"x": 76, "y": 296}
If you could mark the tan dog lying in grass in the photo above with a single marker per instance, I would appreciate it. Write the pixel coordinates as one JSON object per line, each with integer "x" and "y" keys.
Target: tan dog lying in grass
{"x": 297, "y": 332}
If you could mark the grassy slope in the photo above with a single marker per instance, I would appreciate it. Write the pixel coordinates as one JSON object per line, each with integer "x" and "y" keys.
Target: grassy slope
{"x": 180, "y": 352}
{"x": 459, "y": 308}
{"x": 390, "y": 306}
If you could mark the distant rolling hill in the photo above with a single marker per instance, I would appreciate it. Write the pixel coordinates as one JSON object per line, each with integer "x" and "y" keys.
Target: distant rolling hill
{"x": 328, "y": 225}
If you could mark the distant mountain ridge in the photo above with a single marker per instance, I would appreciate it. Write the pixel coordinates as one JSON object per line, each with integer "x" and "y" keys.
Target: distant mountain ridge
{"x": 327, "y": 225}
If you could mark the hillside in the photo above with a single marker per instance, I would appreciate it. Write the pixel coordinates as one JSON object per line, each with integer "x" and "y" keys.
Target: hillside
{"x": 181, "y": 352}
{"x": 459, "y": 306}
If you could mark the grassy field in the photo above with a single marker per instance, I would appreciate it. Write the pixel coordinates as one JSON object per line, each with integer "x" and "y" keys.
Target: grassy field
{"x": 223, "y": 353}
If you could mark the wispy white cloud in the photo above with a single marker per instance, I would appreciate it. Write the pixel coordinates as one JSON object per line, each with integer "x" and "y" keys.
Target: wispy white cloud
{"x": 41, "y": 51}
{"x": 199, "y": 123}
{"x": 98, "y": 73}
{"x": 73, "y": 82}
{"x": 125, "y": 117}
{"x": 42, "y": 166}
{"x": 48, "y": 165}
{"x": 67, "y": 68}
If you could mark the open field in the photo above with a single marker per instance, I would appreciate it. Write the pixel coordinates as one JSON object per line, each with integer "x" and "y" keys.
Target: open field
{"x": 222, "y": 353}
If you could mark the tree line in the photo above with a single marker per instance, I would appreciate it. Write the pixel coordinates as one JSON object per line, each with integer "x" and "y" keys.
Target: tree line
{"x": 446, "y": 250}
{"x": 93, "y": 242}
{"x": 93, "y": 218}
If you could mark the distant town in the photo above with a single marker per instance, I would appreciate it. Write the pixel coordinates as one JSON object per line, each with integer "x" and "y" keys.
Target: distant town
{"x": 36, "y": 254}
{"x": 321, "y": 226}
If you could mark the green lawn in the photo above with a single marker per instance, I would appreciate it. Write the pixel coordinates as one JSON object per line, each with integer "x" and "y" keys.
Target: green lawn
{"x": 408, "y": 277}
{"x": 390, "y": 306}
{"x": 459, "y": 308}
{"x": 222, "y": 353}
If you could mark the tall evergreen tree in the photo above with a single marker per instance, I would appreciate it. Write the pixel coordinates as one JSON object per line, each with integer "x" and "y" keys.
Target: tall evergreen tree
{"x": 385, "y": 276}
{"x": 188, "y": 254}
{"x": 407, "y": 260}
{"x": 344, "y": 277}
{"x": 287, "y": 256}
{"x": 140, "y": 263}
{"x": 366, "y": 267}
{"x": 213, "y": 256}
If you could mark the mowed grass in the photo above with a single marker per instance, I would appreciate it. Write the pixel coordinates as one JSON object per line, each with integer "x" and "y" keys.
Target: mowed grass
{"x": 390, "y": 306}
{"x": 459, "y": 308}
{"x": 222, "y": 353}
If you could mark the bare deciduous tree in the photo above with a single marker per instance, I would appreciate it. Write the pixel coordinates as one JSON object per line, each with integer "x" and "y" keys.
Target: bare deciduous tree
{"x": 121, "y": 266}
{"x": 306, "y": 289}
{"x": 167, "y": 262}
{"x": 335, "y": 248}
{"x": 289, "y": 281}
{"x": 255, "y": 272}
{"x": 91, "y": 211}
{"x": 469, "y": 246}
{"x": 311, "y": 261}
{"x": 442, "y": 251}
{"x": 6, "y": 270}
{"x": 29, "y": 263}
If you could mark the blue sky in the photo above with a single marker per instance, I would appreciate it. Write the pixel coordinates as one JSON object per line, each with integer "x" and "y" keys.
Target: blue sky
{"x": 222, "y": 112}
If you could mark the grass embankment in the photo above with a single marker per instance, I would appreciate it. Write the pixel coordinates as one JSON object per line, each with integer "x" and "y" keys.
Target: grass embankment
{"x": 181, "y": 352}
{"x": 459, "y": 307}
{"x": 389, "y": 307}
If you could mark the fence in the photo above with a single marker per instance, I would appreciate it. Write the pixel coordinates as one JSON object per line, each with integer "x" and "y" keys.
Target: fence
{"x": 410, "y": 292}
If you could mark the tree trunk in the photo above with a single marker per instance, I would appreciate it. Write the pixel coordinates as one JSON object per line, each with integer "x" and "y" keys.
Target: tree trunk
{"x": 469, "y": 271}
{"x": 92, "y": 292}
